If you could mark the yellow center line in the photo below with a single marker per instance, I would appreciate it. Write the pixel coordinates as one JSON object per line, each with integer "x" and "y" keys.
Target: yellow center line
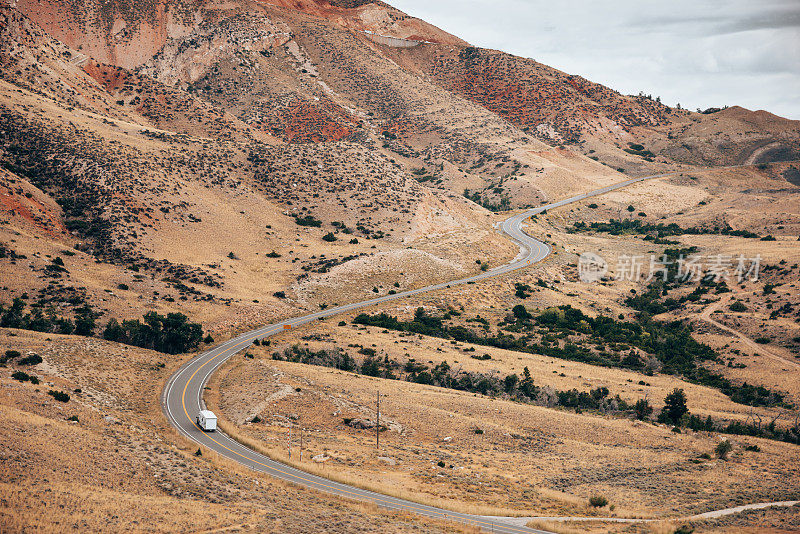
{"x": 399, "y": 503}
{"x": 315, "y": 482}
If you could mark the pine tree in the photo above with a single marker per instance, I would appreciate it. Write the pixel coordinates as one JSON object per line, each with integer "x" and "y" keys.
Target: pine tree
{"x": 674, "y": 407}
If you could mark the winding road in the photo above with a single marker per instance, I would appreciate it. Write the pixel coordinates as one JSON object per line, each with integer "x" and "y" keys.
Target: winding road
{"x": 182, "y": 396}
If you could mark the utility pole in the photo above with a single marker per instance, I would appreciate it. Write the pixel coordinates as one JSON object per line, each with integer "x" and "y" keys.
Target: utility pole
{"x": 378, "y": 423}
{"x": 301, "y": 445}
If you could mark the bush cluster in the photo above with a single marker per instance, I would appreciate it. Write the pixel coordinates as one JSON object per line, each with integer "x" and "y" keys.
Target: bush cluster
{"x": 172, "y": 333}
{"x": 37, "y": 320}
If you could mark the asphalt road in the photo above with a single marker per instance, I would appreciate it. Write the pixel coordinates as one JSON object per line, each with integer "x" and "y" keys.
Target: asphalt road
{"x": 182, "y": 396}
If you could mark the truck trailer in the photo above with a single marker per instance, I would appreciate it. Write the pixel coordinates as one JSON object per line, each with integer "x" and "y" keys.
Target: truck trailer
{"x": 207, "y": 421}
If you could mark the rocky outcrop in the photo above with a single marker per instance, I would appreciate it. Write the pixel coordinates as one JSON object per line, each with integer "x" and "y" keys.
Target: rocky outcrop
{"x": 190, "y": 58}
{"x": 125, "y": 34}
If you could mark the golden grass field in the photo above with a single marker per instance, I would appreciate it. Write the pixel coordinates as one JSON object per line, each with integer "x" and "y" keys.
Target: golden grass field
{"x": 534, "y": 460}
{"x": 120, "y": 467}
{"x": 531, "y": 459}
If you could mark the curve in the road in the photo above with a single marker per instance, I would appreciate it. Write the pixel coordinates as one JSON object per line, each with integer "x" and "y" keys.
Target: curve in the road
{"x": 182, "y": 396}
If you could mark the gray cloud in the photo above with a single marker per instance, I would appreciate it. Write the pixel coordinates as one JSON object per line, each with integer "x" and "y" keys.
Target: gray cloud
{"x": 700, "y": 53}
{"x": 776, "y": 20}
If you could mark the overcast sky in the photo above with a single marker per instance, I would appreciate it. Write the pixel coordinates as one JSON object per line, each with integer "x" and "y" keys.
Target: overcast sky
{"x": 699, "y": 53}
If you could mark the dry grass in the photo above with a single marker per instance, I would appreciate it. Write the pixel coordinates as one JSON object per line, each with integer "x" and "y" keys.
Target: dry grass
{"x": 595, "y": 454}
{"x": 438, "y": 236}
{"x": 547, "y": 371}
{"x": 122, "y": 467}
{"x": 279, "y": 453}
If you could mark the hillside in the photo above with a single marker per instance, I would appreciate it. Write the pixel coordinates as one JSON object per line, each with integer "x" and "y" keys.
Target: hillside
{"x": 128, "y": 34}
{"x": 120, "y": 188}
{"x": 174, "y": 173}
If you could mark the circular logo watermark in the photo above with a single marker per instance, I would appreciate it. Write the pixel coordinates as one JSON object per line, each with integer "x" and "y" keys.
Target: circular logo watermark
{"x": 591, "y": 267}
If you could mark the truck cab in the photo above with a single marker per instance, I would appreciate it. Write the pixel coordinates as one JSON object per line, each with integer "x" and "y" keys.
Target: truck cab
{"x": 207, "y": 421}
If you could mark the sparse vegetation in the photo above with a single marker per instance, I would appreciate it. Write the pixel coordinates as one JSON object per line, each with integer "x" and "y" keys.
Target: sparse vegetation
{"x": 669, "y": 346}
{"x": 443, "y": 375}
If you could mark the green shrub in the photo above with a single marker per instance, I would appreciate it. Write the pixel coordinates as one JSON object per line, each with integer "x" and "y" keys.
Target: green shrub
{"x": 738, "y": 306}
{"x": 723, "y": 448}
{"x": 521, "y": 312}
{"x": 31, "y": 359}
{"x": 674, "y": 407}
{"x": 60, "y": 396}
{"x": 329, "y": 237}
{"x": 21, "y": 376}
{"x": 171, "y": 334}
{"x": 642, "y": 409}
{"x": 308, "y": 220}
{"x": 598, "y": 501}
{"x": 9, "y": 355}
{"x": 522, "y": 291}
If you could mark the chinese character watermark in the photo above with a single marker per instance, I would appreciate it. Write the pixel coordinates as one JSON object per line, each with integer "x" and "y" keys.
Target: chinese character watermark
{"x": 591, "y": 267}
{"x": 684, "y": 268}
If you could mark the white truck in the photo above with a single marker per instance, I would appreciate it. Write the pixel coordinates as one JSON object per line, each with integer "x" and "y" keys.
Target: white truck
{"x": 207, "y": 421}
